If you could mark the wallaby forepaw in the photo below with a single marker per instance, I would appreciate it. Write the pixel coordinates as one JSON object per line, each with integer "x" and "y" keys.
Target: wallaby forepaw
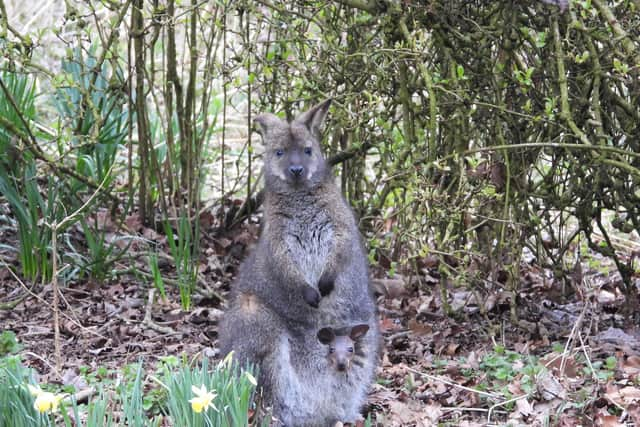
{"x": 311, "y": 296}
{"x": 326, "y": 285}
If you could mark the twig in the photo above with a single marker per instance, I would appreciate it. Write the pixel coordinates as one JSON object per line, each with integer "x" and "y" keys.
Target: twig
{"x": 576, "y": 325}
{"x": 586, "y": 356}
{"x": 81, "y": 396}
{"x": 619, "y": 32}
{"x": 45, "y": 361}
{"x": 147, "y": 317}
{"x": 55, "y": 227}
{"x": 401, "y": 334}
{"x": 506, "y": 402}
{"x": 370, "y": 6}
{"x": 56, "y": 297}
{"x": 463, "y": 409}
{"x": 442, "y": 380}
{"x": 46, "y": 303}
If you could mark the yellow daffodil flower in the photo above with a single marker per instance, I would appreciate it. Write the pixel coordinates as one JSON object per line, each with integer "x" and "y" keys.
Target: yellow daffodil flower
{"x": 203, "y": 399}
{"x": 45, "y": 401}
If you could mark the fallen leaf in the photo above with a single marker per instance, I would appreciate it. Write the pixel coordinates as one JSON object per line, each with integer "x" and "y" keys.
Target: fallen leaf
{"x": 549, "y": 387}
{"x": 608, "y": 421}
{"x": 622, "y": 396}
{"x": 524, "y": 409}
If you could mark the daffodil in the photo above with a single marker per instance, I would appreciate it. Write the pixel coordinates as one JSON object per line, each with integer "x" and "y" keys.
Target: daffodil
{"x": 251, "y": 378}
{"x": 45, "y": 401}
{"x": 227, "y": 361}
{"x": 203, "y": 399}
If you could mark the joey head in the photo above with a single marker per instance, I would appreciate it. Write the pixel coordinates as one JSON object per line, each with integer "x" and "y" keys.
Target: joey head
{"x": 344, "y": 345}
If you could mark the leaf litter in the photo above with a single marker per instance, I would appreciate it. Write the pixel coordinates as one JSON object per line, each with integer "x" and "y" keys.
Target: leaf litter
{"x": 569, "y": 362}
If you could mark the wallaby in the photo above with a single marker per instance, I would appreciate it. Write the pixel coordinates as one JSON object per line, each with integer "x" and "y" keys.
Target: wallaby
{"x": 309, "y": 230}
{"x": 344, "y": 345}
{"x": 308, "y": 269}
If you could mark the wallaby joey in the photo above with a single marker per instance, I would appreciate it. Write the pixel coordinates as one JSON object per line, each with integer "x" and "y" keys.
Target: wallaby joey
{"x": 344, "y": 346}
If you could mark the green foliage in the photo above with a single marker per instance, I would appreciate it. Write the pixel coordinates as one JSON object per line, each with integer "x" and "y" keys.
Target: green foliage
{"x": 368, "y": 422}
{"x": 131, "y": 396}
{"x": 32, "y": 212}
{"x": 16, "y": 403}
{"x": 8, "y": 343}
{"x": 18, "y": 177}
{"x": 92, "y": 105}
{"x": 102, "y": 255}
{"x": 98, "y": 413}
{"x": 158, "y": 282}
{"x": 500, "y": 364}
{"x": 233, "y": 388}
{"x": 184, "y": 246}
{"x": 21, "y": 88}
{"x": 603, "y": 370}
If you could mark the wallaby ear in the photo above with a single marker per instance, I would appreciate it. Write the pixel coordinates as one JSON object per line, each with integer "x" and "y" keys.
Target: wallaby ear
{"x": 313, "y": 118}
{"x": 326, "y": 336}
{"x": 265, "y": 121}
{"x": 358, "y": 331}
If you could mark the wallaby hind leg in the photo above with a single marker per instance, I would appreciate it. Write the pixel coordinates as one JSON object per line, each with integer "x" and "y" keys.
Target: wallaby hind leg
{"x": 249, "y": 329}
{"x": 255, "y": 335}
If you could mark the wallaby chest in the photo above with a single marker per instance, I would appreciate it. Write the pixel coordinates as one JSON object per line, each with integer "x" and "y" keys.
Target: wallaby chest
{"x": 309, "y": 239}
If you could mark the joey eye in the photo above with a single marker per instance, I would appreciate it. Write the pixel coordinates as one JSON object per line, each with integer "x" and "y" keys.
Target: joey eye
{"x": 279, "y": 152}
{"x": 307, "y": 151}
{"x": 350, "y": 349}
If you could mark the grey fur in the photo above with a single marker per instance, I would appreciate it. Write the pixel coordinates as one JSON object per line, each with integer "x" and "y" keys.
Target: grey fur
{"x": 307, "y": 271}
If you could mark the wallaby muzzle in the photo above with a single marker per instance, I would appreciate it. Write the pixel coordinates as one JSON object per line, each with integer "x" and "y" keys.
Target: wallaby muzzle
{"x": 296, "y": 171}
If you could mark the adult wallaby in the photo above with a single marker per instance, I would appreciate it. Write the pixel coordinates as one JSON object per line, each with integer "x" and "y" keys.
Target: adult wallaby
{"x": 308, "y": 269}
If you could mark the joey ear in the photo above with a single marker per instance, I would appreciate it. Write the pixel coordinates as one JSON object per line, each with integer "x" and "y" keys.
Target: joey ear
{"x": 326, "y": 336}
{"x": 265, "y": 121}
{"x": 358, "y": 331}
{"x": 313, "y": 118}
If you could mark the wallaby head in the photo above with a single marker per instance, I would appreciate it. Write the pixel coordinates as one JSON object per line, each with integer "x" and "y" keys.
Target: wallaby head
{"x": 293, "y": 157}
{"x": 343, "y": 345}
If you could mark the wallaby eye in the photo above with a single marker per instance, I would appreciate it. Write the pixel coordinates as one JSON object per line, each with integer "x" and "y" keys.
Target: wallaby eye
{"x": 307, "y": 151}
{"x": 331, "y": 350}
{"x": 350, "y": 349}
{"x": 279, "y": 152}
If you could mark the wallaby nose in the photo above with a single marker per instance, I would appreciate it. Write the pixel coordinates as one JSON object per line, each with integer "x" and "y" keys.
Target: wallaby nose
{"x": 341, "y": 366}
{"x": 296, "y": 170}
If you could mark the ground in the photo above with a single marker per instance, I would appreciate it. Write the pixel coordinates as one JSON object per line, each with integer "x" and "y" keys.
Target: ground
{"x": 572, "y": 358}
